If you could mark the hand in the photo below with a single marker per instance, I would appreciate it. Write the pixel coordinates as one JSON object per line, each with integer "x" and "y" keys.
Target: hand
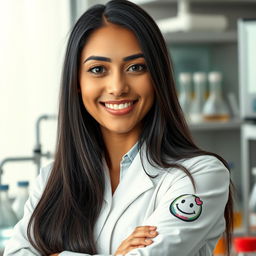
{"x": 55, "y": 254}
{"x": 138, "y": 239}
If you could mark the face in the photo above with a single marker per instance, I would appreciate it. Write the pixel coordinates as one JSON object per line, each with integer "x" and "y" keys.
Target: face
{"x": 114, "y": 81}
{"x": 186, "y": 207}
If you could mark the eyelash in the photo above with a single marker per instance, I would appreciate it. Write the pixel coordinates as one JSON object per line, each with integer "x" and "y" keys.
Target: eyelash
{"x": 141, "y": 66}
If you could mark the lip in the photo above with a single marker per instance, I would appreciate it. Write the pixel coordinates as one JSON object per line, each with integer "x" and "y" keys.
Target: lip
{"x": 118, "y": 101}
{"x": 119, "y": 112}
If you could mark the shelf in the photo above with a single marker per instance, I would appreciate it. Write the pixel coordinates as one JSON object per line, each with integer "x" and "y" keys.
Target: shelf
{"x": 208, "y": 126}
{"x": 201, "y": 37}
{"x": 157, "y": 2}
{"x": 239, "y": 232}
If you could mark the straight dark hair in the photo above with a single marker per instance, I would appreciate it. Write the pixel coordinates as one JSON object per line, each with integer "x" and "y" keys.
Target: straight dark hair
{"x": 74, "y": 192}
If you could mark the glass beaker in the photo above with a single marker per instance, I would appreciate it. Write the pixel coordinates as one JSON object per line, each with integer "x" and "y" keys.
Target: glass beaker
{"x": 7, "y": 217}
{"x": 21, "y": 198}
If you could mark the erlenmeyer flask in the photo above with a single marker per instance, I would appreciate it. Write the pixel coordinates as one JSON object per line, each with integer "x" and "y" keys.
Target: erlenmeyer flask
{"x": 215, "y": 108}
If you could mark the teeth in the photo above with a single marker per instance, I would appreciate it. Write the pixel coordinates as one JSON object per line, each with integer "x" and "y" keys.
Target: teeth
{"x": 118, "y": 106}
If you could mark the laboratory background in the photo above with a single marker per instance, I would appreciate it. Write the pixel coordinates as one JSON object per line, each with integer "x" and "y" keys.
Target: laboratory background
{"x": 212, "y": 44}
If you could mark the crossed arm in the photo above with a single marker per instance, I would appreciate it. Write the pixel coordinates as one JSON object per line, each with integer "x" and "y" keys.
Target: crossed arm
{"x": 141, "y": 237}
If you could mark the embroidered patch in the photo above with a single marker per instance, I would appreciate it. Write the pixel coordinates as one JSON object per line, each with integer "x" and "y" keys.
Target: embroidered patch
{"x": 186, "y": 207}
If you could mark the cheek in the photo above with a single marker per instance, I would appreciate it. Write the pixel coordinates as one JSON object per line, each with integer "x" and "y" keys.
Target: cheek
{"x": 144, "y": 87}
{"x": 90, "y": 93}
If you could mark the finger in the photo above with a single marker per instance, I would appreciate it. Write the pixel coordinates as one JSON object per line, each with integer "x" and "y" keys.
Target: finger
{"x": 144, "y": 233}
{"x": 139, "y": 241}
{"x": 145, "y": 228}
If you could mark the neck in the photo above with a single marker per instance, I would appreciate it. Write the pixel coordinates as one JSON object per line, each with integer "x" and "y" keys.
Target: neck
{"x": 117, "y": 145}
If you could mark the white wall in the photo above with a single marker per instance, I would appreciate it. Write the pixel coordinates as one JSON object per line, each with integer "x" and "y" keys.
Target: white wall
{"x": 33, "y": 35}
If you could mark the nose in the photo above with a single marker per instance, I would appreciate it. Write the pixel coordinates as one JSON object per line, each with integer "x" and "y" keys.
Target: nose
{"x": 117, "y": 84}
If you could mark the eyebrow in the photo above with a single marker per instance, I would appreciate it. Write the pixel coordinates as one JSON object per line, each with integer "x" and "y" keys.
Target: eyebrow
{"x": 101, "y": 58}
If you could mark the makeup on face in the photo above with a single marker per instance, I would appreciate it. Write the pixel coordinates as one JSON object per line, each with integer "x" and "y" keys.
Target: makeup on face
{"x": 116, "y": 87}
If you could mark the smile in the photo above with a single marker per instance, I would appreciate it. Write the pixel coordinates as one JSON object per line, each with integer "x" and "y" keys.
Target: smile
{"x": 121, "y": 107}
{"x": 189, "y": 213}
{"x": 118, "y": 106}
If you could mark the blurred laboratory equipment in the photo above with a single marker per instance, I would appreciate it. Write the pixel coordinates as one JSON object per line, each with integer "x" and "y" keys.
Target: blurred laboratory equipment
{"x": 245, "y": 246}
{"x": 247, "y": 93}
{"x": 215, "y": 108}
{"x": 233, "y": 105}
{"x": 186, "y": 21}
{"x": 21, "y": 198}
{"x": 220, "y": 248}
{"x": 7, "y": 216}
{"x": 247, "y": 64}
{"x": 37, "y": 152}
{"x": 252, "y": 202}
{"x": 185, "y": 83}
{"x": 200, "y": 80}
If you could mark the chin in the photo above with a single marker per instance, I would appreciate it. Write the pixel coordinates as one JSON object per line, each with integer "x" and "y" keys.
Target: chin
{"x": 120, "y": 129}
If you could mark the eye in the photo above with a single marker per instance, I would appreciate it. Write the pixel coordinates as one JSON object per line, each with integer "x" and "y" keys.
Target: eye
{"x": 183, "y": 201}
{"x": 98, "y": 70}
{"x": 191, "y": 205}
{"x": 137, "y": 68}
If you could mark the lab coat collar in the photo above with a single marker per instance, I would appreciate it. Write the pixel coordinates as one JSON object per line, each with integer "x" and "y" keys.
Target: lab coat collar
{"x": 135, "y": 182}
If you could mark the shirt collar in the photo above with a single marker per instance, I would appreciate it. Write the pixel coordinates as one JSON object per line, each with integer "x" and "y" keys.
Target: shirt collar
{"x": 130, "y": 155}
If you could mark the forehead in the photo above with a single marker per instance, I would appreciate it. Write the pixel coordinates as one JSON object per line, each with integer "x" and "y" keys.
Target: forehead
{"x": 111, "y": 41}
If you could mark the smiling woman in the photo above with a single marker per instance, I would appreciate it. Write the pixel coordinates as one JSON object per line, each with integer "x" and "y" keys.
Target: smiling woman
{"x": 127, "y": 178}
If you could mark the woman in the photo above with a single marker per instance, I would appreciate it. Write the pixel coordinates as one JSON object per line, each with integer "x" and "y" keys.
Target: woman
{"x": 127, "y": 177}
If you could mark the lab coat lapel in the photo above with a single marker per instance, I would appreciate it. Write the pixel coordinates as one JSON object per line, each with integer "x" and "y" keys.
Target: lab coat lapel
{"x": 107, "y": 203}
{"x": 135, "y": 183}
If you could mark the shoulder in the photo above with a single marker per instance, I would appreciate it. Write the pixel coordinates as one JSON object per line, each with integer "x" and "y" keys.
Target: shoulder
{"x": 199, "y": 162}
{"x": 206, "y": 168}
{"x": 203, "y": 163}
{"x": 43, "y": 177}
{"x": 38, "y": 185}
{"x": 45, "y": 171}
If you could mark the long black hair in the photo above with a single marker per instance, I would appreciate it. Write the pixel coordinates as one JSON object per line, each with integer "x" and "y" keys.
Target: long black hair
{"x": 66, "y": 214}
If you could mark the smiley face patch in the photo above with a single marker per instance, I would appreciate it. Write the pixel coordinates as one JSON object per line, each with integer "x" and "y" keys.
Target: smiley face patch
{"x": 186, "y": 207}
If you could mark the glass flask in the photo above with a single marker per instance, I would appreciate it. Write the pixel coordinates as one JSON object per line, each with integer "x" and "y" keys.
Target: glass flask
{"x": 7, "y": 217}
{"x": 215, "y": 108}
{"x": 195, "y": 114}
{"x": 185, "y": 82}
{"x": 20, "y": 200}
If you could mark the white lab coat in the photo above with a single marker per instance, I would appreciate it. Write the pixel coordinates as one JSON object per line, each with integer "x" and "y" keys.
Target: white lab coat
{"x": 141, "y": 200}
